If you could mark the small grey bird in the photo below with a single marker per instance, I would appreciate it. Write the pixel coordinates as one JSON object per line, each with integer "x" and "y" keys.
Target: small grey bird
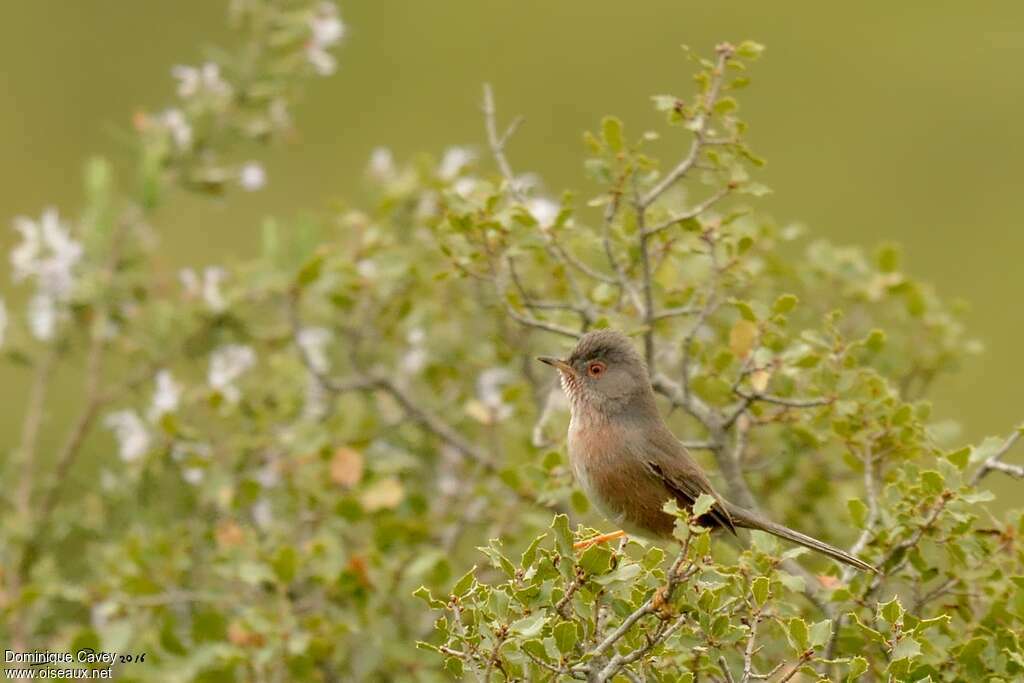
{"x": 627, "y": 460}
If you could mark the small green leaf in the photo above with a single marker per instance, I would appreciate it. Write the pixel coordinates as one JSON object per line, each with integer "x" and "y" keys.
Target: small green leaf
{"x": 563, "y": 535}
{"x": 701, "y": 506}
{"x": 611, "y": 131}
{"x": 463, "y": 585}
{"x": 749, "y": 49}
{"x": 932, "y": 481}
{"x": 858, "y": 666}
{"x": 888, "y": 258}
{"x": 907, "y": 648}
{"x": 760, "y": 590}
{"x": 596, "y": 559}
{"x": 858, "y": 512}
{"x": 799, "y": 637}
{"x": 424, "y": 594}
{"x": 566, "y": 635}
{"x": 821, "y": 632}
{"x": 530, "y": 626}
{"x": 530, "y": 554}
{"x": 784, "y": 304}
{"x": 891, "y": 611}
{"x": 310, "y": 271}
{"x": 960, "y": 457}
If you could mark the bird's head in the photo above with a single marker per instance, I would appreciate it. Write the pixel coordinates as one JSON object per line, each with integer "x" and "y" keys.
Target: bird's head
{"x": 604, "y": 373}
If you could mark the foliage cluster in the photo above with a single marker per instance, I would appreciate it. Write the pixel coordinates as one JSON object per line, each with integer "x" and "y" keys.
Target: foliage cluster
{"x": 291, "y": 461}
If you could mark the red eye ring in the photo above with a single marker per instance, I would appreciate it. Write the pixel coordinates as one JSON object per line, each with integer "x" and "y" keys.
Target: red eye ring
{"x": 595, "y": 369}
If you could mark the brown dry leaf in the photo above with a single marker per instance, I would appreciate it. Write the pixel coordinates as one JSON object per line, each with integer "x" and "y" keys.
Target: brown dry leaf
{"x": 384, "y": 494}
{"x": 759, "y": 380}
{"x": 742, "y": 337}
{"x": 346, "y": 467}
{"x": 229, "y": 534}
{"x": 829, "y": 581}
{"x": 241, "y": 636}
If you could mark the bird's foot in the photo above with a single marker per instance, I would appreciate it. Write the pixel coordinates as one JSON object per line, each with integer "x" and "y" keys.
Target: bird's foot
{"x": 602, "y": 538}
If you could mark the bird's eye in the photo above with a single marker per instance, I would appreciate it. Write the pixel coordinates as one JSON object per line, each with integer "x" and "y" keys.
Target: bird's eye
{"x": 596, "y": 369}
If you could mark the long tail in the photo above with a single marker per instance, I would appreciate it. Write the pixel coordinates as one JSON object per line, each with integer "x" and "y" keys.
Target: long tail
{"x": 742, "y": 517}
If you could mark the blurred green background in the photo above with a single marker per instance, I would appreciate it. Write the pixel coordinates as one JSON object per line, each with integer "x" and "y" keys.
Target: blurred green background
{"x": 880, "y": 121}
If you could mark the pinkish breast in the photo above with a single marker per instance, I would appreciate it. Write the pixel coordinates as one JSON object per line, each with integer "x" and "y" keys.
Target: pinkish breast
{"x": 617, "y": 480}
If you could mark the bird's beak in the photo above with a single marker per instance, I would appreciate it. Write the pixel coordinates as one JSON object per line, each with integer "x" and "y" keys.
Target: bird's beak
{"x": 556, "y": 363}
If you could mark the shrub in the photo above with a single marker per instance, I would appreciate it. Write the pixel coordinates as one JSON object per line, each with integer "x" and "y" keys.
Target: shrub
{"x": 307, "y": 441}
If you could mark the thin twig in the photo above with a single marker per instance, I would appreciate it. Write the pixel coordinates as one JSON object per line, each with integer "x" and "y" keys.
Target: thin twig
{"x": 994, "y": 461}
{"x": 725, "y": 51}
{"x": 692, "y": 213}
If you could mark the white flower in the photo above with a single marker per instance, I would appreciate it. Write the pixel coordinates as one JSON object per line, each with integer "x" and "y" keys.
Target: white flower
{"x": 227, "y": 364}
{"x": 544, "y": 211}
{"x": 382, "y": 164}
{"x": 206, "y": 77}
{"x": 325, "y": 25}
{"x": 47, "y": 253}
{"x": 415, "y": 359}
{"x": 454, "y": 160}
{"x": 366, "y": 268}
{"x": 464, "y": 187}
{"x": 130, "y": 431}
{"x": 262, "y": 513}
{"x": 252, "y": 177}
{"x": 325, "y": 29}
{"x": 208, "y": 288}
{"x": 193, "y": 475}
{"x": 166, "y": 396}
{"x": 489, "y": 388}
{"x": 177, "y": 125}
{"x": 42, "y": 316}
{"x": 3, "y": 322}
{"x": 313, "y": 341}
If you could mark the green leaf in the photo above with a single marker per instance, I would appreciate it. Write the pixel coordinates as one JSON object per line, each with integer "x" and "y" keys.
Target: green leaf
{"x": 749, "y": 49}
{"x": 596, "y": 559}
{"x": 310, "y": 271}
{"x": 537, "y": 649}
{"x": 530, "y": 554}
{"x": 891, "y": 611}
{"x": 563, "y": 535}
{"x": 701, "y": 506}
{"x": 760, "y": 589}
{"x": 530, "y": 626}
{"x": 858, "y": 512}
{"x": 932, "y": 481}
{"x": 888, "y": 258}
{"x": 566, "y": 635}
{"x": 858, "y": 666}
{"x": 960, "y": 457}
{"x": 798, "y": 635}
{"x": 867, "y": 630}
{"x": 907, "y": 648}
{"x": 821, "y": 632}
{"x": 611, "y": 131}
{"x": 424, "y": 594}
{"x": 463, "y": 585}
{"x": 784, "y": 304}
{"x": 285, "y": 564}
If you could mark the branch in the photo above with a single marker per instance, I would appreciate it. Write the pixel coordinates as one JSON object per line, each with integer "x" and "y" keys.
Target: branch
{"x": 725, "y": 51}
{"x": 783, "y": 401}
{"x": 497, "y": 143}
{"x": 692, "y": 213}
{"x": 994, "y": 461}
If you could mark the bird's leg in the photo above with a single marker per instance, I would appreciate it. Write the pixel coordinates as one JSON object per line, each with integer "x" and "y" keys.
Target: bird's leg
{"x": 601, "y": 538}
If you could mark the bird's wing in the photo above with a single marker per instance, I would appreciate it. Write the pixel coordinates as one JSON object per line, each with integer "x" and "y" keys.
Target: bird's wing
{"x": 672, "y": 464}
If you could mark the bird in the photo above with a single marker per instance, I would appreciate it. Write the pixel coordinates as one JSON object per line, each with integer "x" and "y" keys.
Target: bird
{"x": 627, "y": 460}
